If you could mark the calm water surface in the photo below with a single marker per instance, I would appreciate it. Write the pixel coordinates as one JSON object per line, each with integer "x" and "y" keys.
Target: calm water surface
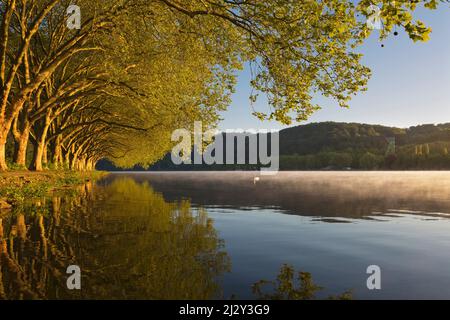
{"x": 213, "y": 235}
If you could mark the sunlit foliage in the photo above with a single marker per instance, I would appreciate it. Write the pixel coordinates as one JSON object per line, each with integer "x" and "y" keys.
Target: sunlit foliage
{"x": 138, "y": 69}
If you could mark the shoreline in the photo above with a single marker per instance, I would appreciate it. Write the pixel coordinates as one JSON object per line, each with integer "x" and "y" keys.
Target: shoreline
{"x": 18, "y": 186}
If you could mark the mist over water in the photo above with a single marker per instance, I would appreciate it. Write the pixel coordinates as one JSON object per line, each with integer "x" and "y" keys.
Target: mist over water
{"x": 319, "y": 194}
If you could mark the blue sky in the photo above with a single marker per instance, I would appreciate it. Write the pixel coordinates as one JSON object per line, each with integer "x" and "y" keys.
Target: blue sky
{"x": 410, "y": 83}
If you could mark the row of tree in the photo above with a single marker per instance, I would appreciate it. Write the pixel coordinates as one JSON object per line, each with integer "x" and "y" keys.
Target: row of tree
{"x": 136, "y": 70}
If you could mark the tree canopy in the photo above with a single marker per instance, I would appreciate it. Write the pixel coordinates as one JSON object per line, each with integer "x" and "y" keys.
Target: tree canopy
{"x": 136, "y": 70}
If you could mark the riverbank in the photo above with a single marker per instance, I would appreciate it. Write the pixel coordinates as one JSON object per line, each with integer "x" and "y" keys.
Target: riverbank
{"x": 16, "y": 186}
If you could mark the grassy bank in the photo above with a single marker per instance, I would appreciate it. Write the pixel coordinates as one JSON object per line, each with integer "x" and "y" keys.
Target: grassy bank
{"x": 17, "y": 186}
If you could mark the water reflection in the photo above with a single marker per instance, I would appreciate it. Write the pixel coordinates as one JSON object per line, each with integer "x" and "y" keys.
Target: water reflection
{"x": 129, "y": 242}
{"x": 148, "y": 236}
{"x": 292, "y": 285}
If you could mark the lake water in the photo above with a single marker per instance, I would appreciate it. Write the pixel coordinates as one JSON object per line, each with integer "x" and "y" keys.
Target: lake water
{"x": 203, "y": 235}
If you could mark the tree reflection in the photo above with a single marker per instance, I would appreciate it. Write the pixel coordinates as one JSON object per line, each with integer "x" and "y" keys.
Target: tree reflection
{"x": 128, "y": 241}
{"x": 292, "y": 285}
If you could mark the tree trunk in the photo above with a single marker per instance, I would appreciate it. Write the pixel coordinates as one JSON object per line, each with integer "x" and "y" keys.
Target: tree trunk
{"x": 44, "y": 156}
{"x": 38, "y": 154}
{"x": 74, "y": 162}
{"x": 5, "y": 127}
{"x": 4, "y": 130}
{"x": 85, "y": 163}
{"x": 3, "y": 166}
{"x": 89, "y": 165}
{"x": 67, "y": 156}
{"x": 81, "y": 165}
{"x": 57, "y": 153}
{"x": 40, "y": 147}
{"x": 20, "y": 153}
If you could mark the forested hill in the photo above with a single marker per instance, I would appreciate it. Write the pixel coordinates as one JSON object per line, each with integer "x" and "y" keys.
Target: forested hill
{"x": 332, "y": 145}
{"x": 365, "y": 146}
{"x": 327, "y": 136}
